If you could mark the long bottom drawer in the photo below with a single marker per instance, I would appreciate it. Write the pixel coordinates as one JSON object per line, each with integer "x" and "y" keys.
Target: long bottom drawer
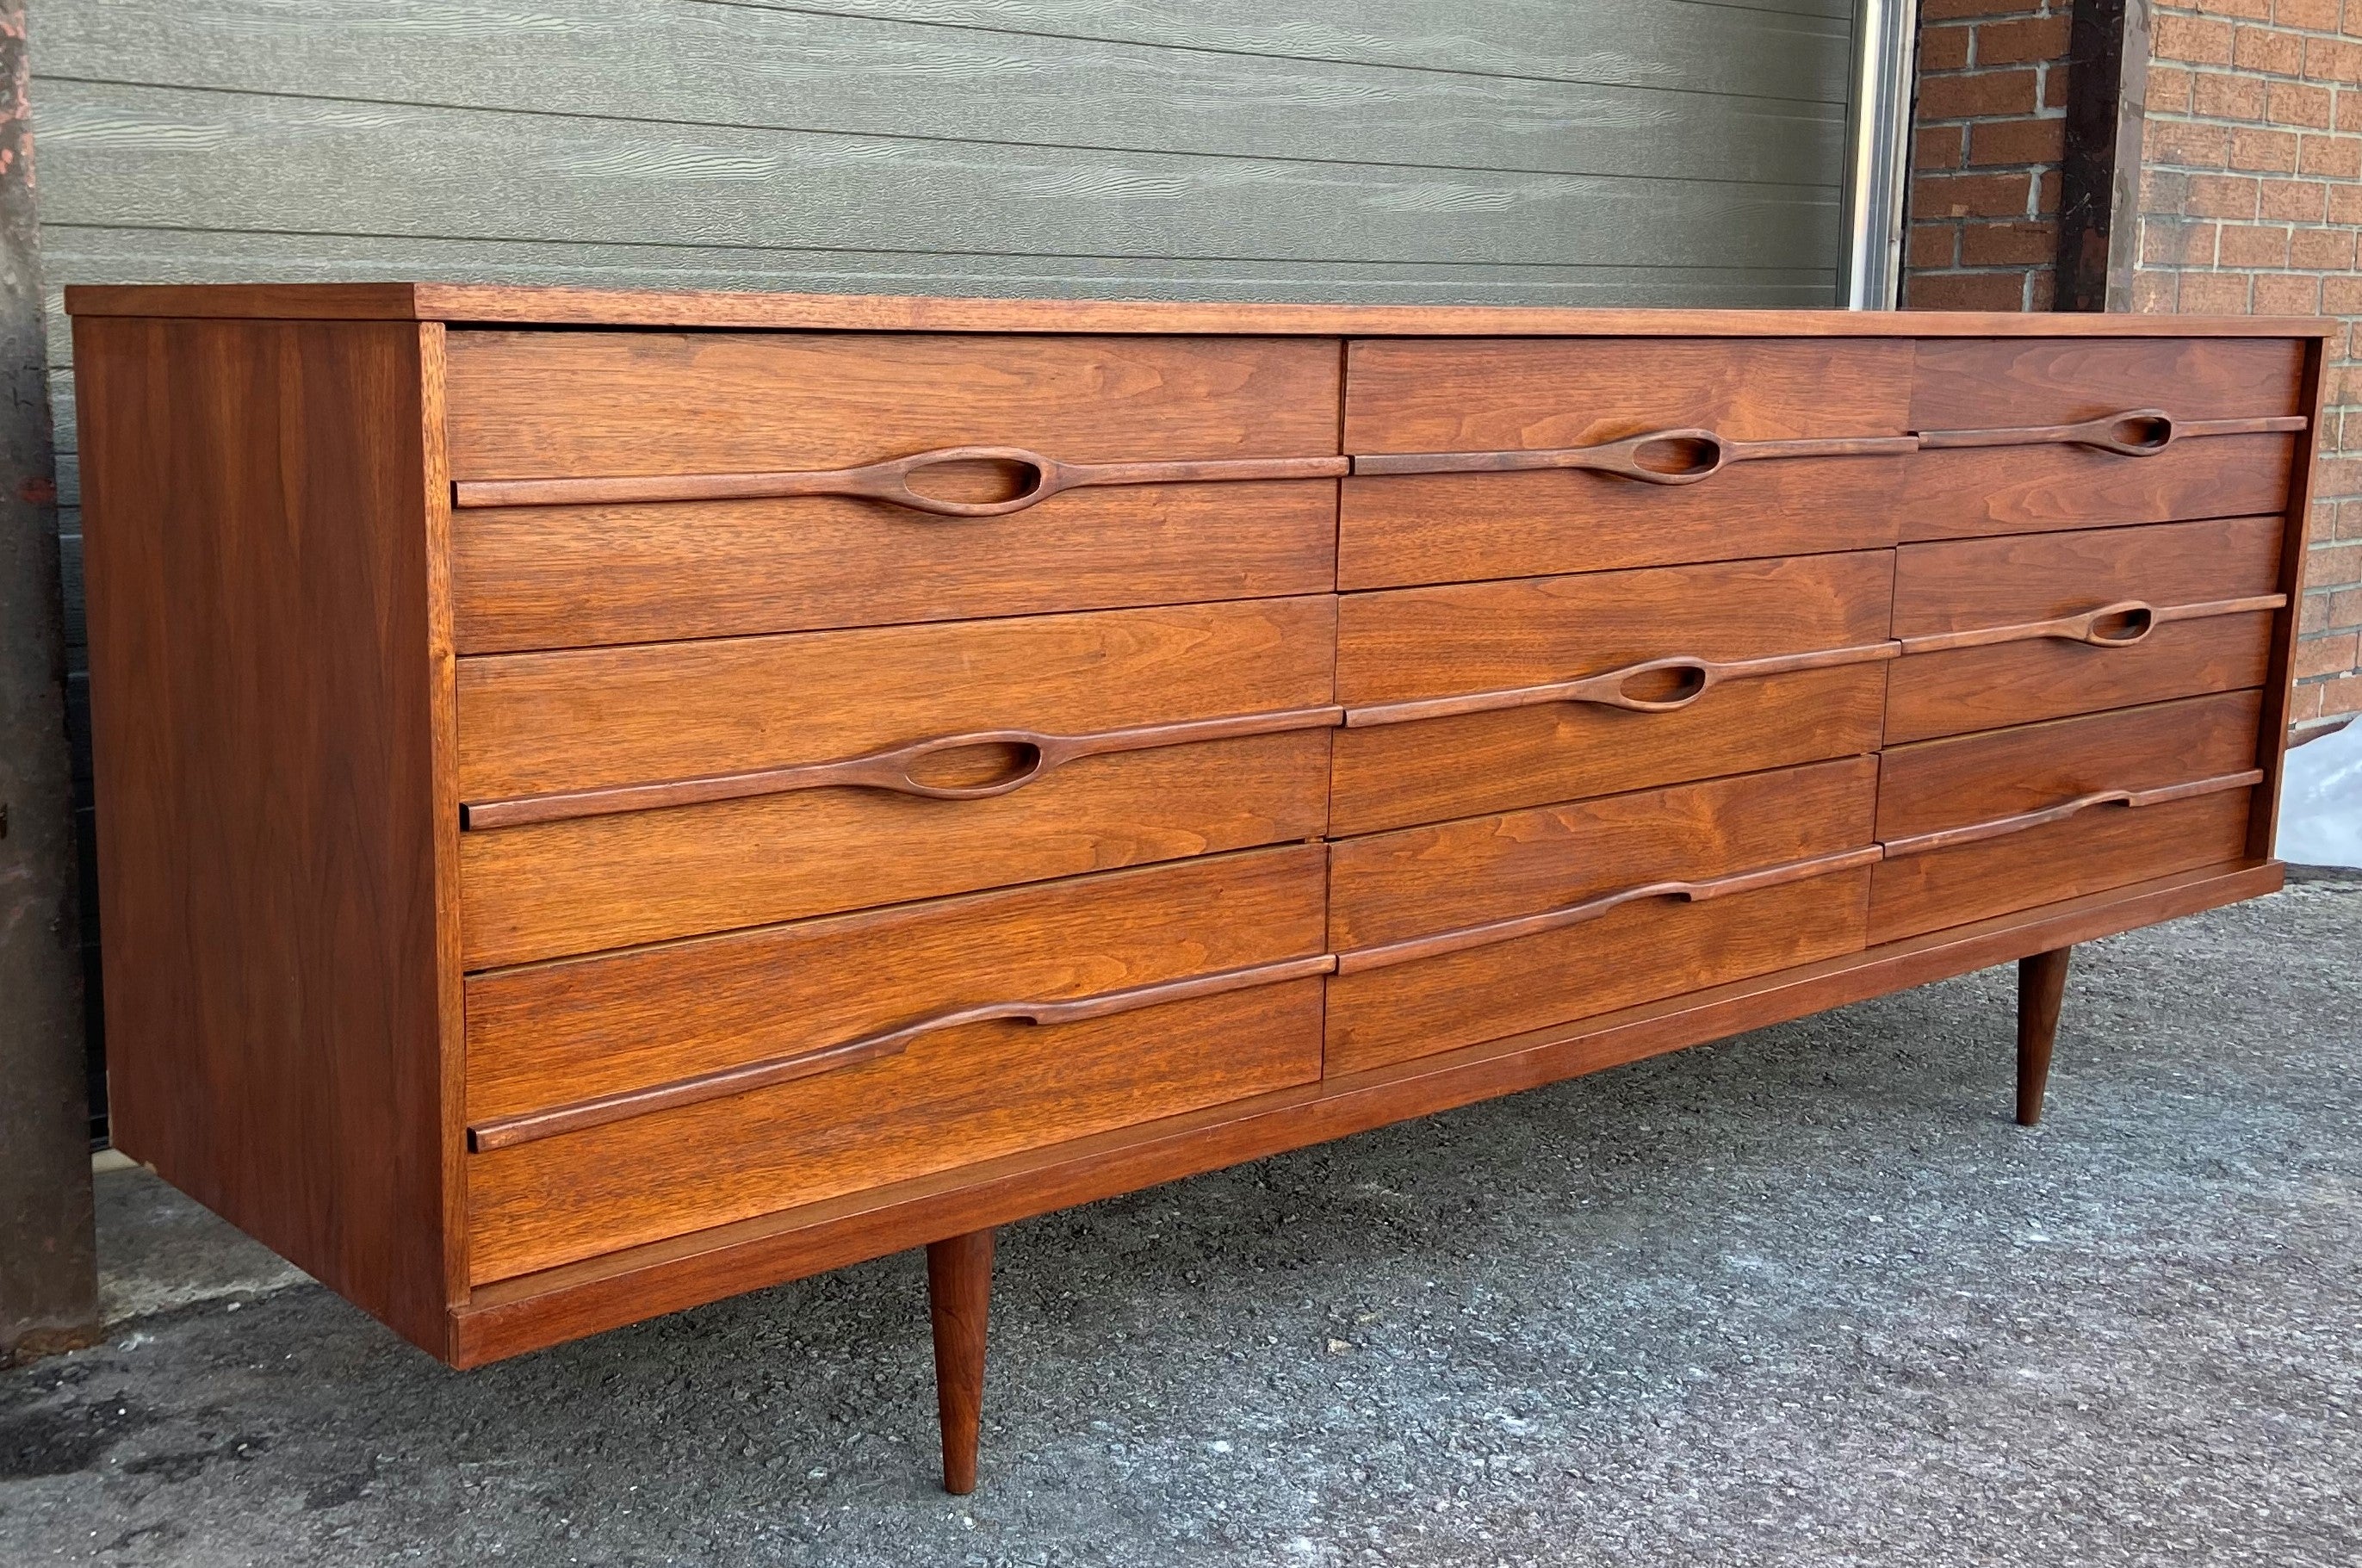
{"x": 1983, "y": 824}
{"x": 637, "y": 1096}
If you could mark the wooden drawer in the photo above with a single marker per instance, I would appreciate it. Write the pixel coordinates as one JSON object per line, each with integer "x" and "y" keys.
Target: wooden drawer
{"x": 702, "y": 481}
{"x": 593, "y": 731}
{"x": 1468, "y": 931}
{"x": 2214, "y": 464}
{"x": 621, "y": 1100}
{"x": 625, "y": 795}
{"x": 576, "y": 885}
{"x": 1458, "y": 700}
{"x": 2020, "y": 606}
{"x": 1979, "y": 826}
{"x": 1521, "y": 396}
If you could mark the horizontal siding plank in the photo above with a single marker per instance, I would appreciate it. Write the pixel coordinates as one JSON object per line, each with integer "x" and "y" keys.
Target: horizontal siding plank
{"x": 662, "y": 61}
{"x": 1640, "y": 43}
{"x": 162, "y": 158}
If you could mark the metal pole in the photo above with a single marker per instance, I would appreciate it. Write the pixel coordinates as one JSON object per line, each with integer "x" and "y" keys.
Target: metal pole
{"x": 49, "y": 1274}
{"x": 1878, "y": 151}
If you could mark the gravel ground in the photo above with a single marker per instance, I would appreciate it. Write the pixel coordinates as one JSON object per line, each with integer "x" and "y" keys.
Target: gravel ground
{"x": 1804, "y": 1296}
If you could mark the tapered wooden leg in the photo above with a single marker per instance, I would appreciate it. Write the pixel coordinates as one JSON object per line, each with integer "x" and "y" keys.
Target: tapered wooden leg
{"x": 2041, "y": 984}
{"x": 959, "y": 1295}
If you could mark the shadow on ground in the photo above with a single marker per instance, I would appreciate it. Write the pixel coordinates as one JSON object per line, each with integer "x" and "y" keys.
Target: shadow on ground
{"x": 1804, "y": 1296}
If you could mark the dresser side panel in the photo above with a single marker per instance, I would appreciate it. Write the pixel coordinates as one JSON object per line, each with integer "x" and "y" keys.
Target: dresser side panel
{"x": 265, "y": 717}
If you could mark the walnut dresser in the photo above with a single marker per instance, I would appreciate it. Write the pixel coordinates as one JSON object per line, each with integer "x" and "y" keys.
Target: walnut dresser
{"x": 609, "y": 801}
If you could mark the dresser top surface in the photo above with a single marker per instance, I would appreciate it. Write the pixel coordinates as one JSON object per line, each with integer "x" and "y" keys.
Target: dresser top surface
{"x": 526, "y": 305}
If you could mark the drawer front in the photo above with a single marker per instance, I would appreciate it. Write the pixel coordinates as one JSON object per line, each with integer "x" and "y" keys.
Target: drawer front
{"x": 2020, "y": 392}
{"x": 1215, "y": 939}
{"x": 1962, "y": 818}
{"x": 631, "y": 720}
{"x": 547, "y": 1040}
{"x": 1469, "y": 930}
{"x": 742, "y": 568}
{"x": 576, "y": 885}
{"x": 2032, "y": 589}
{"x": 1510, "y": 397}
{"x": 709, "y": 483}
{"x": 1754, "y": 698}
{"x": 570, "y": 404}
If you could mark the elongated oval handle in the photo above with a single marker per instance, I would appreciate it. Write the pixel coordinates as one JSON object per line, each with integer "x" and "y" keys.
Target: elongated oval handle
{"x": 1611, "y": 687}
{"x": 2138, "y": 621}
{"x": 2129, "y": 433}
{"x": 1683, "y": 455}
{"x": 2118, "y": 625}
{"x": 890, "y": 481}
{"x": 1037, "y": 755}
{"x": 1666, "y": 457}
{"x": 1693, "y": 676}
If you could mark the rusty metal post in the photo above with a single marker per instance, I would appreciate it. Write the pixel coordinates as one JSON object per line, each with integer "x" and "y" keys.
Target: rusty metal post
{"x": 48, "y": 1274}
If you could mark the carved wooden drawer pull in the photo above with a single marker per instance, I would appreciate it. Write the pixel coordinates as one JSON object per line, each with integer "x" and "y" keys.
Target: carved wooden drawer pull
{"x": 1688, "y": 679}
{"x": 1030, "y": 754}
{"x": 2134, "y": 432}
{"x": 2117, "y": 625}
{"x": 1975, "y": 832}
{"x": 506, "y": 1132}
{"x": 1412, "y": 949}
{"x": 1041, "y": 477}
{"x": 1660, "y": 457}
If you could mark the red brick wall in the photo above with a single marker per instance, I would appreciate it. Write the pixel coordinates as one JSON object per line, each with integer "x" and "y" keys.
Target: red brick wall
{"x": 2251, "y": 198}
{"x": 2250, "y": 203}
{"x": 1984, "y": 165}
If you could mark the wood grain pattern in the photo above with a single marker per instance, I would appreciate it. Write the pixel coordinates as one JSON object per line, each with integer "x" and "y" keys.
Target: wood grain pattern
{"x": 959, "y": 1300}
{"x": 1970, "y": 778}
{"x": 2018, "y": 490}
{"x": 575, "y": 1028}
{"x": 1531, "y": 393}
{"x": 1525, "y": 395}
{"x": 1960, "y": 585}
{"x": 1637, "y": 953}
{"x": 1933, "y": 785}
{"x": 725, "y": 568}
{"x": 2041, "y": 986}
{"x": 1416, "y": 643}
{"x": 1967, "y": 384}
{"x": 544, "y": 304}
{"x": 443, "y": 702}
{"x": 1011, "y": 478}
{"x": 567, "y": 1303}
{"x": 954, "y": 1099}
{"x": 536, "y": 404}
{"x": 539, "y": 722}
{"x": 1402, "y": 774}
{"x": 1389, "y": 886}
{"x": 2279, "y": 679}
{"x": 595, "y": 882}
{"x": 1394, "y": 886}
{"x": 266, "y": 762}
{"x": 2094, "y": 851}
{"x": 2067, "y": 378}
{"x": 925, "y": 924}
{"x": 571, "y": 1117}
